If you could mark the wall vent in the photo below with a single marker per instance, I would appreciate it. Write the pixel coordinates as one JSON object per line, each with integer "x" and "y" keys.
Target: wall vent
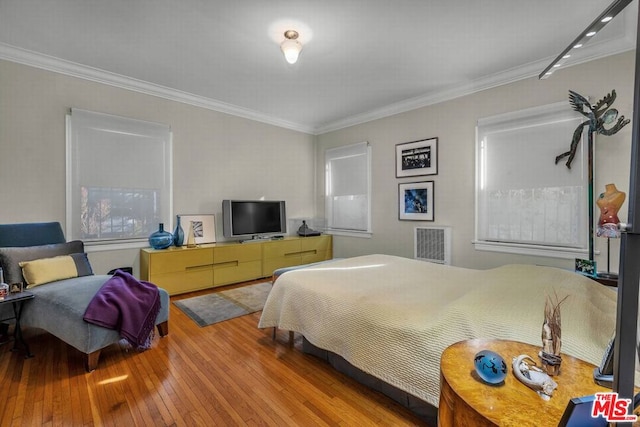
{"x": 432, "y": 244}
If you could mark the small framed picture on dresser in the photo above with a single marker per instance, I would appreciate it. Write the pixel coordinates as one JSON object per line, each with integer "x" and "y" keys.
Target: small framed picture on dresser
{"x": 204, "y": 227}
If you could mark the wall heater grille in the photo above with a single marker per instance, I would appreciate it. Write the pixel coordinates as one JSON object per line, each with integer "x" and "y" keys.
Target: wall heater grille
{"x": 433, "y": 244}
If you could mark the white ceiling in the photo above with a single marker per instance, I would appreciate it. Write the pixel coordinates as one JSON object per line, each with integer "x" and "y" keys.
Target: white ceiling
{"x": 362, "y": 59}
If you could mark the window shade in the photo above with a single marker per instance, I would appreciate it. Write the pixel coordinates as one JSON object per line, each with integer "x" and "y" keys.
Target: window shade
{"x": 348, "y": 188}
{"x": 523, "y": 197}
{"x": 118, "y": 177}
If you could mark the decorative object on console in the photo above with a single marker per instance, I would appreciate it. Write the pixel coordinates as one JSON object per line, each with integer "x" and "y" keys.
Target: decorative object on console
{"x": 598, "y": 116}
{"x": 305, "y": 231}
{"x": 490, "y": 366}
{"x": 191, "y": 239}
{"x": 160, "y": 239}
{"x": 552, "y": 336}
{"x": 415, "y": 201}
{"x": 609, "y": 203}
{"x": 178, "y": 233}
{"x": 203, "y": 228}
{"x": 417, "y": 158}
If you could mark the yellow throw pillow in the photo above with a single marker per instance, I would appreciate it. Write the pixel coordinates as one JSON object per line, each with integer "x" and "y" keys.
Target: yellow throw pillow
{"x": 40, "y": 271}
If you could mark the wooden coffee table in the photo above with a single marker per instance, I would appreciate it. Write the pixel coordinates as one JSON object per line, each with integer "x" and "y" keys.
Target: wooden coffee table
{"x": 467, "y": 401}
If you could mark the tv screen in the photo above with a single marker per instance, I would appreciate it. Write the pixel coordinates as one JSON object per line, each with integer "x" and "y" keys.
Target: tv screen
{"x": 242, "y": 218}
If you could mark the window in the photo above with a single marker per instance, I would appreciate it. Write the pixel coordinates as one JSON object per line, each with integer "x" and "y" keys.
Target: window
{"x": 525, "y": 203}
{"x": 118, "y": 177}
{"x": 348, "y": 190}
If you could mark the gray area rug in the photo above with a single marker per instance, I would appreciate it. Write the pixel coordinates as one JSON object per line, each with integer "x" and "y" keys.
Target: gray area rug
{"x": 219, "y": 306}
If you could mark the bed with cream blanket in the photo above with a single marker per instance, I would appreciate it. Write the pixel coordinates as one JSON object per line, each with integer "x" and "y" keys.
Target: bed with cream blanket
{"x": 392, "y": 317}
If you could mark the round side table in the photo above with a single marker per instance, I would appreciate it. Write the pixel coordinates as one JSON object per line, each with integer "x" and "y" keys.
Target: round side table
{"x": 465, "y": 400}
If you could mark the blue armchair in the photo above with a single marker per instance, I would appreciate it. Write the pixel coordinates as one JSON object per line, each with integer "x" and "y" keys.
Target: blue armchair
{"x": 59, "y": 306}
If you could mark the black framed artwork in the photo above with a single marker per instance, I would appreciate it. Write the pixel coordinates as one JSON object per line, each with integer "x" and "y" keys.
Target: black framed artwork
{"x": 417, "y": 158}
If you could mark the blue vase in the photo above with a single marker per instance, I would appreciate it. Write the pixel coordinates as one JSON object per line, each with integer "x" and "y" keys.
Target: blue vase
{"x": 160, "y": 239}
{"x": 178, "y": 234}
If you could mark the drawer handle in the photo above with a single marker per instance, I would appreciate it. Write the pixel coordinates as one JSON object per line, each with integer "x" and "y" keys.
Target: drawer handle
{"x": 226, "y": 264}
{"x": 313, "y": 252}
{"x": 193, "y": 267}
{"x": 292, "y": 254}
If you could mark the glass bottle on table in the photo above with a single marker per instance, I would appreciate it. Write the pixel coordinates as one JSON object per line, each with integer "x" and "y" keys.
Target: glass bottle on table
{"x": 4, "y": 288}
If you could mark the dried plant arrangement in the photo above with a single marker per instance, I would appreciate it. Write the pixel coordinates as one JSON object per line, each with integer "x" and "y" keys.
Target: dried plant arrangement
{"x": 552, "y": 335}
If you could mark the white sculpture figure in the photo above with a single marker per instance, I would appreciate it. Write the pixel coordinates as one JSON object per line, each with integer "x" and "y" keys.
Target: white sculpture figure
{"x": 526, "y": 371}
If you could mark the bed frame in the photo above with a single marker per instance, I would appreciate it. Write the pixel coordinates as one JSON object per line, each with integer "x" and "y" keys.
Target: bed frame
{"x": 419, "y": 407}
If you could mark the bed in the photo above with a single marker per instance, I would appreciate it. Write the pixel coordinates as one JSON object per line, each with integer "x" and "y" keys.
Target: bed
{"x": 390, "y": 318}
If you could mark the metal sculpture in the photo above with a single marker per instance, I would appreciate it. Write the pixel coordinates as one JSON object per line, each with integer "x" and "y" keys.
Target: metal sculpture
{"x": 599, "y": 115}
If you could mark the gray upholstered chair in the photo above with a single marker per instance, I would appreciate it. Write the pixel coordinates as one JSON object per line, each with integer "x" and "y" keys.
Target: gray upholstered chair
{"x": 58, "y": 307}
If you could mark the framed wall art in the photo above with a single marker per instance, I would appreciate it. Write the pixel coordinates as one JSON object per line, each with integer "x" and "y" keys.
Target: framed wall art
{"x": 204, "y": 227}
{"x": 417, "y": 158}
{"x": 415, "y": 201}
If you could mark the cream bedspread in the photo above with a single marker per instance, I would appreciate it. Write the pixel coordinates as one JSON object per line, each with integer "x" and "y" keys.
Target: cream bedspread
{"x": 392, "y": 317}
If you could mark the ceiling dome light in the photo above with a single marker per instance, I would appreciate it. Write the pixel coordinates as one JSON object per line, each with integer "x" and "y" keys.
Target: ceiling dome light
{"x": 291, "y": 47}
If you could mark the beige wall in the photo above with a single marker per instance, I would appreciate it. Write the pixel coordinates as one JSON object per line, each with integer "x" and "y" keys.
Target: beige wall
{"x": 215, "y": 155}
{"x": 453, "y": 122}
{"x": 219, "y": 156}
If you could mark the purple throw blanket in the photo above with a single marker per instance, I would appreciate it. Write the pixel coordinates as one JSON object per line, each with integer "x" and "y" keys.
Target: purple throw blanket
{"x": 126, "y": 304}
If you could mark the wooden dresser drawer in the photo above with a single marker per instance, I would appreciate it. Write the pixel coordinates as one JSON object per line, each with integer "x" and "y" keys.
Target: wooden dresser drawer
{"x": 319, "y": 243}
{"x": 179, "y": 259}
{"x": 237, "y": 253}
{"x": 224, "y": 274}
{"x": 180, "y": 282}
{"x": 281, "y": 249}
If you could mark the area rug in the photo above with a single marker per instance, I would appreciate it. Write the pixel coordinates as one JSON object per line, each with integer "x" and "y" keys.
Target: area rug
{"x": 219, "y": 306}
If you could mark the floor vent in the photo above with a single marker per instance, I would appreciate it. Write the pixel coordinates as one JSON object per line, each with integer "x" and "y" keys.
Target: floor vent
{"x": 433, "y": 244}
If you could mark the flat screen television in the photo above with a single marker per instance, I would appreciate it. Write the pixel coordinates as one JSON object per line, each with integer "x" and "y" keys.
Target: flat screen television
{"x": 253, "y": 218}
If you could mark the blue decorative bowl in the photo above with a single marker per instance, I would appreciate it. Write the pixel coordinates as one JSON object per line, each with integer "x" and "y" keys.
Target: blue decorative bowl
{"x": 490, "y": 366}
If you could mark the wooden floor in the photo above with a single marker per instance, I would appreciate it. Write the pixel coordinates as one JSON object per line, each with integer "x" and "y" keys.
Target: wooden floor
{"x": 227, "y": 374}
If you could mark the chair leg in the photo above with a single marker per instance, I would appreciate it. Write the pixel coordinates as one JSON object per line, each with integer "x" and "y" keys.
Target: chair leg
{"x": 91, "y": 361}
{"x": 163, "y": 328}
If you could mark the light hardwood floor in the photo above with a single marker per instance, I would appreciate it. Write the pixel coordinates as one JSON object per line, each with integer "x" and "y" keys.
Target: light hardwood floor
{"x": 227, "y": 374}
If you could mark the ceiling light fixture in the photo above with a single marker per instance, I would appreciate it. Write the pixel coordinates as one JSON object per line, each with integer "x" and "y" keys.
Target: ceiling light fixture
{"x": 291, "y": 47}
{"x": 602, "y": 20}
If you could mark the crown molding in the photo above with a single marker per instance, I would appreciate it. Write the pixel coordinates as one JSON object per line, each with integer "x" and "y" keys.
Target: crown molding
{"x": 594, "y": 51}
{"x": 57, "y": 65}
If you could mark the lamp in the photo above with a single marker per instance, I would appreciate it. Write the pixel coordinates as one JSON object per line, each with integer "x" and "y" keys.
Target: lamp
{"x": 603, "y": 19}
{"x": 609, "y": 203}
{"x": 291, "y": 47}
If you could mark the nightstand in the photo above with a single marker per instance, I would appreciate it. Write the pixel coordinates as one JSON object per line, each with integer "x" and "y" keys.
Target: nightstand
{"x": 17, "y": 300}
{"x": 467, "y": 401}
